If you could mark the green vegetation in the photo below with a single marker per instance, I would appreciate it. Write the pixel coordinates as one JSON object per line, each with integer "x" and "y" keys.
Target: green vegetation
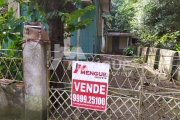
{"x": 11, "y": 35}
{"x": 129, "y": 51}
{"x": 11, "y": 68}
{"x": 156, "y": 22}
{"x": 40, "y": 12}
{"x": 10, "y": 27}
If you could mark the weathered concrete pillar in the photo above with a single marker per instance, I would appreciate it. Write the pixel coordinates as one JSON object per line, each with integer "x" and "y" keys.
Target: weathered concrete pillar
{"x": 35, "y": 78}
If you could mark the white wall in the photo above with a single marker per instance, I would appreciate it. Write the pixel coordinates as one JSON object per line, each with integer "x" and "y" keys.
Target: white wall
{"x": 15, "y": 6}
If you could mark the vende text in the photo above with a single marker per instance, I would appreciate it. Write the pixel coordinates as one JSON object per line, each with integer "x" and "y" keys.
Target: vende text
{"x": 88, "y": 87}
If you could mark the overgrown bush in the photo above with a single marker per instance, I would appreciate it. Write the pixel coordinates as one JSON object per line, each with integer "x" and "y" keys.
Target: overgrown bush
{"x": 129, "y": 51}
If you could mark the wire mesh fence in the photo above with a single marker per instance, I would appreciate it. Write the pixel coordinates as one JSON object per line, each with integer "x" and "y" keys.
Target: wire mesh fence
{"x": 160, "y": 107}
{"x": 161, "y": 88}
{"x": 134, "y": 91}
{"x": 123, "y": 93}
{"x": 11, "y": 65}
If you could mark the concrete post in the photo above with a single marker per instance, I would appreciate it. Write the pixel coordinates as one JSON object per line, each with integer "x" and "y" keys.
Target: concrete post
{"x": 35, "y": 78}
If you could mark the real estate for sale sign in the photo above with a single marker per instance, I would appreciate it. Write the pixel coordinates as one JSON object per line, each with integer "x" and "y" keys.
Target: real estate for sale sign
{"x": 89, "y": 85}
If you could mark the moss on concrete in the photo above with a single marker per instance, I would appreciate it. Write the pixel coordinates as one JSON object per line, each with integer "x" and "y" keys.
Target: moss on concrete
{"x": 11, "y": 102}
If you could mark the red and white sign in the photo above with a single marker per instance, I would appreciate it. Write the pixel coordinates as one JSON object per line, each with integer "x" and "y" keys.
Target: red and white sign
{"x": 89, "y": 85}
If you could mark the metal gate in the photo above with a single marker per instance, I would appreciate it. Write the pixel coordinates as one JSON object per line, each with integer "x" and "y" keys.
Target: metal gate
{"x": 133, "y": 92}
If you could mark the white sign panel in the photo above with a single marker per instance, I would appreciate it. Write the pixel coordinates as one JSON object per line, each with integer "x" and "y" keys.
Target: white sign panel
{"x": 89, "y": 85}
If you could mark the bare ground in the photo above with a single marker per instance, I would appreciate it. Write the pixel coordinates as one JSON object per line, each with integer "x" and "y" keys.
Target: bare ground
{"x": 159, "y": 101}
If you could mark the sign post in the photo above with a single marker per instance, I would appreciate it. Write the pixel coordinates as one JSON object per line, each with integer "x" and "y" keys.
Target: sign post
{"x": 89, "y": 85}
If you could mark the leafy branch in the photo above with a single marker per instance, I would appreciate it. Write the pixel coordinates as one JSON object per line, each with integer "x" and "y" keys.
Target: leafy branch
{"x": 10, "y": 26}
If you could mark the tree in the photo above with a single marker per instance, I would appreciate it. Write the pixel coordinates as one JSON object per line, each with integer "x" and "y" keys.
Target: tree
{"x": 124, "y": 16}
{"x": 110, "y": 17}
{"x": 57, "y": 13}
{"x": 156, "y": 21}
{"x": 120, "y": 16}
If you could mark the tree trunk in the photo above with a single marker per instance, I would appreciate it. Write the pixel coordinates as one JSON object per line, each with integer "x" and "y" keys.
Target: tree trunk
{"x": 56, "y": 29}
{"x": 56, "y": 35}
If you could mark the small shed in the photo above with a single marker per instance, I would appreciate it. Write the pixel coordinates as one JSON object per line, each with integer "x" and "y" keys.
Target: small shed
{"x": 116, "y": 42}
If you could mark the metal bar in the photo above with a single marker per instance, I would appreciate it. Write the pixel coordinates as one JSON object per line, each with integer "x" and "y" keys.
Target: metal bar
{"x": 141, "y": 95}
{"x": 48, "y": 59}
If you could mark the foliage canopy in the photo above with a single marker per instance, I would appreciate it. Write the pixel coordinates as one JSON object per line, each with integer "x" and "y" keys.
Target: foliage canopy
{"x": 156, "y": 22}
{"x": 10, "y": 26}
{"x": 67, "y": 15}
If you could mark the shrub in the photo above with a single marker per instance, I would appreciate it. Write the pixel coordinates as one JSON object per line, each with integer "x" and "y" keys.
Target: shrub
{"x": 129, "y": 51}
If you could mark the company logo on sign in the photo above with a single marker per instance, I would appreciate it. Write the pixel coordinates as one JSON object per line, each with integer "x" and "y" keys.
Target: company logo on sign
{"x": 91, "y": 73}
